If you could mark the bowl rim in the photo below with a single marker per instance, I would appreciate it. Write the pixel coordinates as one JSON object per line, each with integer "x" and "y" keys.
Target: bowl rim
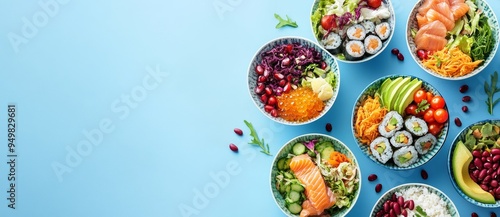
{"x": 410, "y": 184}
{"x": 275, "y": 160}
{"x": 413, "y": 166}
{"x": 428, "y": 71}
{"x": 385, "y": 43}
{"x": 316, "y": 47}
{"x": 450, "y": 153}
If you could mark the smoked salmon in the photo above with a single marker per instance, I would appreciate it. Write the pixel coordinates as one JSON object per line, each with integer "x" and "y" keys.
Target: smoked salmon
{"x": 319, "y": 196}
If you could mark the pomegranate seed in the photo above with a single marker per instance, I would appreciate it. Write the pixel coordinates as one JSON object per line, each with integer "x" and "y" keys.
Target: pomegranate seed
{"x": 287, "y": 87}
{"x": 263, "y": 98}
{"x": 372, "y": 177}
{"x": 424, "y": 174}
{"x": 268, "y": 108}
{"x": 474, "y": 214}
{"x": 271, "y": 101}
{"x": 289, "y": 77}
{"x": 492, "y": 214}
{"x": 466, "y": 98}
{"x": 395, "y": 51}
{"x": 233, "y": 147}
{"x": 238, "y": 131}
{"x": 378, "y": 187}
{"x": 463, "y": 88}
{"x": 268, "y": 90}
{"x": 282, "y": 83}
{"x": 458, "y": 122}
{"x": 328, "y": 127}
{"x": 278, "y": 76}
{"x": 274, "y": 113}
{"x": 262, "y": 78}
{"x": 323, "y": 65}
{"x": 259, "y": 70}
{"x": 465, "y": 108}
{"x": 401, "y": 57}
{"x": 259, "y": 88}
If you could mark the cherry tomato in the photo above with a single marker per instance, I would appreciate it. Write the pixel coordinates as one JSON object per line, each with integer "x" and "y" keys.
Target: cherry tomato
{"x": 328, "y": 22}
{"x": 429, "y": 115}
{"x": 435, "y": 128}
{"x": 441, "y": 115}
{"x": 429, "y": 96}
{"x": 411, "y": 109}
{"x": 437, "y": 102}
{"x": 374, "y": 3}
{"x": 419, "y": 96}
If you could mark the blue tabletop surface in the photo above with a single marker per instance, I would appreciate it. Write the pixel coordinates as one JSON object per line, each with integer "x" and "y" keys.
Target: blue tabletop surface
{"x": 127, "y": 108}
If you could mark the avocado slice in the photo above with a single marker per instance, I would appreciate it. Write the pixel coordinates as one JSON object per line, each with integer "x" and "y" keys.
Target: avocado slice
{"x": 395, "y": 91}
{"x": 387, "y": 90}
{"x": 460, "y": 166}
{"x": 380, "y": 147}
{"x": 383, "y": 87}
{"x": 406, "y": 96}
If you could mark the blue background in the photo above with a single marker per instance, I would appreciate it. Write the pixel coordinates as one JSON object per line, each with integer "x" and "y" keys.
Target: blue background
{"x": 161, "y": 143}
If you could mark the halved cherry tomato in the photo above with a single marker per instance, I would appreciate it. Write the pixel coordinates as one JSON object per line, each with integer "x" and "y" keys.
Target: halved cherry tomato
{"x": 441, "y": 115}
{"x": 437, "y": 102}
{"x": 429, "y": 96}
{"x": 429, "y": 115}
{"x": 435, "y": 128}
{"x": 374, "y": 3}
{"x": 328, "y": 22}
{"x": 411, "y": 109}
{"x": 419, "y": 96}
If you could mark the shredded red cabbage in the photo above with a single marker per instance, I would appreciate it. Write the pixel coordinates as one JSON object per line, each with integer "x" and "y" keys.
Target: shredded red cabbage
{"x": 289, "y": 60}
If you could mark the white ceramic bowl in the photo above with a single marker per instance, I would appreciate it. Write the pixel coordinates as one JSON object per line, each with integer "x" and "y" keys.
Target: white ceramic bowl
{"x": 253, "y": 76}
{"x": 412, "y": 26}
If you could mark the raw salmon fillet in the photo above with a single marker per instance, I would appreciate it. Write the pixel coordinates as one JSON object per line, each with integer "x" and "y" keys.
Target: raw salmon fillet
{"x": 428, "y": 4}
{"x": 435, "y": 15}
{"x": 319, "y": 196}
{"x": 459, "y": 9}
{"x": 431, "y": 36}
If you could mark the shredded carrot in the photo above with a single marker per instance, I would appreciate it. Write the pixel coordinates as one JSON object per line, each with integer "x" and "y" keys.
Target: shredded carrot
{"x": 451, "y": 63}
{"x": 368, "y": 116}
{"x": 336, "y": 158}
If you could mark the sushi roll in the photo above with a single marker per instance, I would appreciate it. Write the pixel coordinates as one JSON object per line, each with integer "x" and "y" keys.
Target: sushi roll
{"x": 381, "y": 149}
{"x": 416, "y": 126}
{"x": 373, "y": 44}
{"x": 383, "y": 30}
{"x": 332, "y": 43}
{"x": 391, "y": 123}
{"x": 425, "y": 143}
{"x": 356, "y": 32}
{"x": 401, "y": 138}
{"x": 354, "y": 50}
{"x": 405, "y": 156}
{"x": 369, "y": 26}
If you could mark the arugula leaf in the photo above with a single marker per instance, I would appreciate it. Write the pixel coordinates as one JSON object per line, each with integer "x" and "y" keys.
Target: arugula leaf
{"x": 255, "y": 139}
{"x": 490, "y": 90}
{"x": 422, "y": 106}
{"x": 283, "y": 22}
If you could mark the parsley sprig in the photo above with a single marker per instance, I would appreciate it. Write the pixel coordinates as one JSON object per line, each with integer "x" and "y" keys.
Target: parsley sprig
{"x": 256, "y": 140}
{"x": 490, "y": 90}
{"x": 283, "y": 22}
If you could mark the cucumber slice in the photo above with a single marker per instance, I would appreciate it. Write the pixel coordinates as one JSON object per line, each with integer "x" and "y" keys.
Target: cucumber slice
{"x": 287, "y": 164}
{"x": 298, "y": 148}
{"x": 293, "y": 196}
{"x": 295, "y": 208}
{"x": 321, "y": 146}
{"x": 281, "y": 164}
{"x": 288, "y": 175}
{"x": 282, "y": 188}
{"x": 325, "y": 154}
{"x": 297, "y": 188}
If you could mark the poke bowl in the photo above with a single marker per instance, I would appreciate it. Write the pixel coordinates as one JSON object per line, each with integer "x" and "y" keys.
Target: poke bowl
{"x": 474, "y": 163}
{"x": 414, "y": 199}
{"x": 313, "y": 175}
{"x": 453, "y": 39}
{"x": 353, "y": 31}
{"x": 293, "y": 81}
{"x": 400, "y": 121}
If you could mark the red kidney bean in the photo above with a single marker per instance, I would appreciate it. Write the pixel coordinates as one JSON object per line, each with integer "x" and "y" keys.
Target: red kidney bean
{"x": 492, "y": 214}
{"x": 391, "y": 213}
{"x": 474, "y": 178}
{"x": 497, "y": 190}
{"x": 233, "y": 147}
{"x": 400, "y": 58}
{"x": 387, "y": 206}
{"x": 482, "y": 174}
{"x": 424, "y": 174}
{"x": 372, "y": 177}
{"x": 476, "y": 153}
{"x": 495, "y": 151}
{"x": 478, "y": 163}
{"x": 474, "y": 214}
{"x": 484, "y": 187}
{"x": 394, "y": 198}
{"x": 378, "y": 187}
{"x": 495, "y": 166}
{"x": 238, "y": 131}
{"x": 494, "y": 183}
{"x": 465, "y": 108}
{"x": 458, "y": 122}
{"x": 395, "y": 51}
{"x": 404, "y": 213}
{"x": 466, "y": 98}
{"x": 396, "y": 208}
{"x": 489, "y": 159}
{"x": 495, "y": 158}
{"x": 328, "y": 127}
{"x": 401, "y": 201}
{"x": 411, "y": 205}
{"x": 463, "y": 88}
{"x": 486, "y": 153}
{"x": 487, "y": 165}
{"x": 483, "y": 159}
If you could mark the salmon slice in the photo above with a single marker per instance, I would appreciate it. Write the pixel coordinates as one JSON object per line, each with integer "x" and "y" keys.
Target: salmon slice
{"x": 444, "y": 9}
{"x": 453, "y": 2}
{"x": 319, "y": 196}
{"x": 430, "y": 42}
{"x": 428, "y": 4}
{"x": 459, "y": 9}
{"x": 435, "y": 27}
{"x": 421, "y": 20}
{"x": 434, "y": 15}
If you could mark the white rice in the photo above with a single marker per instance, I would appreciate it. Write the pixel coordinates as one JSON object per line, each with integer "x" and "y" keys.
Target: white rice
{"x": 430, "y": 202}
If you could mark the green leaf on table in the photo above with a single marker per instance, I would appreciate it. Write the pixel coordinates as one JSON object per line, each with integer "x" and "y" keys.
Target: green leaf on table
{"x": 283, "y": 22}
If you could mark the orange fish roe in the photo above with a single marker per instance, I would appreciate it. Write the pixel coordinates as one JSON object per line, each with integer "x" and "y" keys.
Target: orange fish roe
{"x": 299, "y": 104}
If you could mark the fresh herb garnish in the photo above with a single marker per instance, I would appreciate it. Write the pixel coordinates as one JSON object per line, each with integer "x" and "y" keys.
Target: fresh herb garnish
{"x": 490, "y": 90}
{"x": 422, "y": 106}
{"x": 438, "y": 61}
{"x": 421, "y": 211}
{"x": 283, "y": 22}
{"x": 255, "y": 139}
